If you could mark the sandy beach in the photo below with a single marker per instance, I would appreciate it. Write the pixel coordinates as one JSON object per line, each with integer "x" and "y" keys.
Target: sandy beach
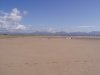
{"x": 49, "y": 56}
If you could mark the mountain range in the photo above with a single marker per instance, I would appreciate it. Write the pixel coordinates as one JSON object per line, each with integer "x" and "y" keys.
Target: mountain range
{"x": 60, "y": 33}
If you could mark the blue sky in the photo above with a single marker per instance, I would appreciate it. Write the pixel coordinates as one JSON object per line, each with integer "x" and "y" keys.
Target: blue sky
{"x": 57, "y": 15}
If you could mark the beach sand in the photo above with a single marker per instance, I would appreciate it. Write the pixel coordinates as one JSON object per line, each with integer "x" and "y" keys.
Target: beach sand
{"x": 49, "y": 56}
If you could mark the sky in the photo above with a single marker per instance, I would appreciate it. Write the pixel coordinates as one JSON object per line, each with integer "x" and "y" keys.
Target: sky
{"x": 50, "y": 15}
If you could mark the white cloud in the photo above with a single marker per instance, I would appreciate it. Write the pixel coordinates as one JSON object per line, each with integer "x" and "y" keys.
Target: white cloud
{"x": 11, "y": 21}
{"x": 85, "y": 26}
{"x": 20, "y": 27}
{"x": 15, "y": 15}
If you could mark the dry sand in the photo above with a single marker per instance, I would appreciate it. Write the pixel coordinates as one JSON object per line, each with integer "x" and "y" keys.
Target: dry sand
{"x": 49, "y": 56}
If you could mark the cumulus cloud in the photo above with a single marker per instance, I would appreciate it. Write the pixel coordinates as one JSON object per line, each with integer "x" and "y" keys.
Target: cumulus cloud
{"x": 15, "y": 15}
{"x": 11, "y": 21}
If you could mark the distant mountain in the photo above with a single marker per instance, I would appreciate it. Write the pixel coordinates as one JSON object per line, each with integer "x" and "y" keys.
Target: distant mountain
{"x": 93, "y": 33}
{"x": 62, "y": 33}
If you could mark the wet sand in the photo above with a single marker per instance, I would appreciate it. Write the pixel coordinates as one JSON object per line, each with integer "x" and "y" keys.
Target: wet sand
{"x": 49, "y": 56}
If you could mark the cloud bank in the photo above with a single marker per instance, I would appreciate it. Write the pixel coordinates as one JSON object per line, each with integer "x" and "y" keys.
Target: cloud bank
{"x": 11, "y": 21}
